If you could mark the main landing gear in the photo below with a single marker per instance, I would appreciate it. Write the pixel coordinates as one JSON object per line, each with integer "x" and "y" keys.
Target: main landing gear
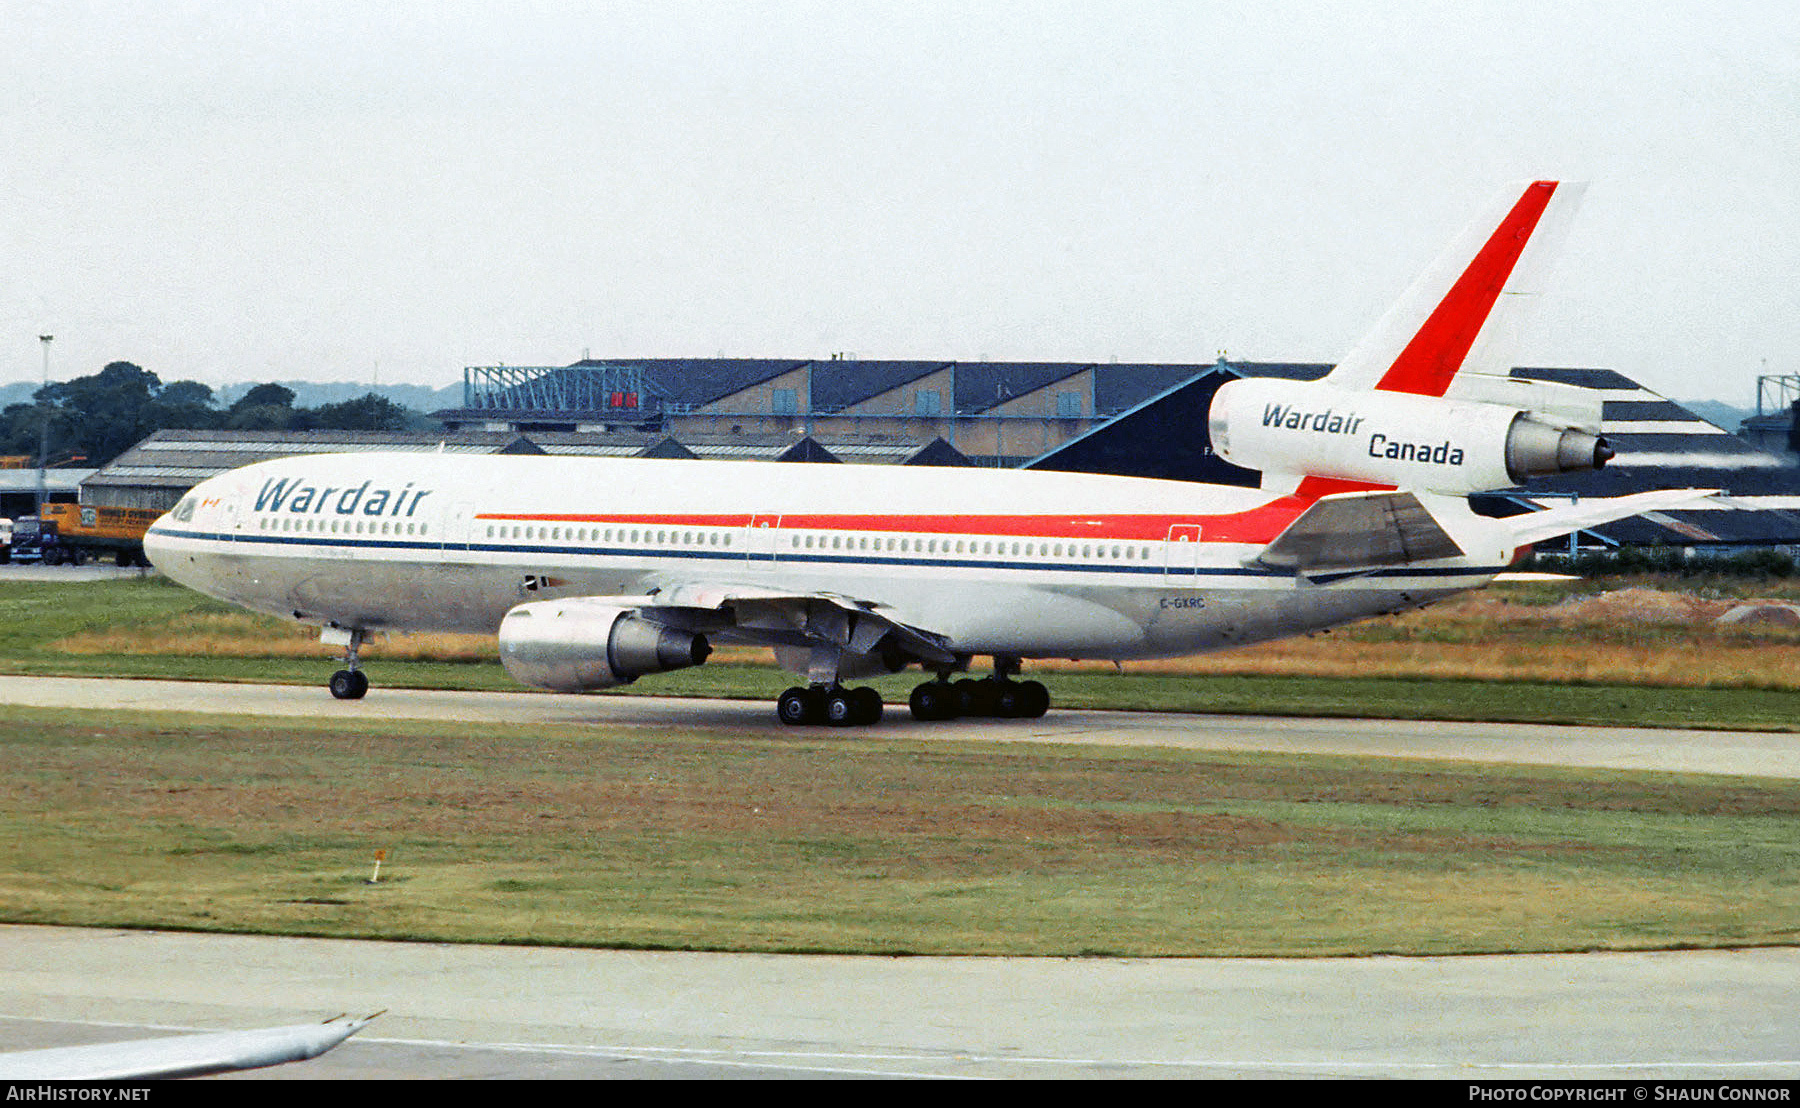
{"x": 830, "y": 704}
{"x": 998, "y": 697}
{"x": 349, "y": 683}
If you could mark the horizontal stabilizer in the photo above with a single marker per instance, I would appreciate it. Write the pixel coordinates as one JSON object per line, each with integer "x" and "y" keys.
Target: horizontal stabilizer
{"x": 1552, "y": 522}
{"x": 181, "y": 1055}
{"x": 1359, "y": 531}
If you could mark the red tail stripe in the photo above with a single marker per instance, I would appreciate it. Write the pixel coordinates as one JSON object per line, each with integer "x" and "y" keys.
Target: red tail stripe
{"x": 1434, "y": 355}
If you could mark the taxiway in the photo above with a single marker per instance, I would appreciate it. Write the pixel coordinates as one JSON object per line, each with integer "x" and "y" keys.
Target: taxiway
{"x": 514, "y": 1012}
{"x": 1742, "y": 753}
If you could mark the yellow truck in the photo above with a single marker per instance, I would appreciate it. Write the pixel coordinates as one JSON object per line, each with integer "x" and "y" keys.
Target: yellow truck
{"x": 73, "y": 533}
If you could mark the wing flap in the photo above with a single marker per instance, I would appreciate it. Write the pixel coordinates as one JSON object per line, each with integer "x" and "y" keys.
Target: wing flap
{"x": 1359, "y": 531}
{"x": 781, "y": 617}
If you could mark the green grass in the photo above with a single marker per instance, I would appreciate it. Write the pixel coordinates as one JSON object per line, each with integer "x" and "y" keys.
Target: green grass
{"x": 859, "y": 842}
{"x": 36, "y": 617}
{"x": 817, "y": 841}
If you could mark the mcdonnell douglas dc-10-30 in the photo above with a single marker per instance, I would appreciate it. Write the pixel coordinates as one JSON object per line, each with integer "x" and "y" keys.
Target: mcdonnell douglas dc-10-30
{"x": 597, "y": 571}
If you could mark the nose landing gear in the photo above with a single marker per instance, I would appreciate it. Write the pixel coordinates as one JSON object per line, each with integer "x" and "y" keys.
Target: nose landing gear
{"x": 349, "y": 683}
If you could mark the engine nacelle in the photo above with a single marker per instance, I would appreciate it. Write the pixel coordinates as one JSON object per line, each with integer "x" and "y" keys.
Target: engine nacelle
{"x": 577, "y": 644}
{"x": 1392, "y": 438}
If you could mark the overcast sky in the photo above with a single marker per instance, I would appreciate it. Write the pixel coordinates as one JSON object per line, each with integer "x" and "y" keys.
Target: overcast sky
{"x": 247, "y": 191}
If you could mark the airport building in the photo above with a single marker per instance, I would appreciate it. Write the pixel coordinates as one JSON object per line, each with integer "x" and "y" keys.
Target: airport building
{"x": 19, "y": 488}
{"x": 1775, "y": 428}
{"x": 1142, "y": 420}
{"x": 993, "y": 413}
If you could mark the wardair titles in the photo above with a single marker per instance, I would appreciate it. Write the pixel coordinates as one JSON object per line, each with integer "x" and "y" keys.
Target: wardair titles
{"x": 1381, "y": 445}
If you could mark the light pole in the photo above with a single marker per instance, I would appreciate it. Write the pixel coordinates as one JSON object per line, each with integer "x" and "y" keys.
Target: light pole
{"x": 44, "y": 431}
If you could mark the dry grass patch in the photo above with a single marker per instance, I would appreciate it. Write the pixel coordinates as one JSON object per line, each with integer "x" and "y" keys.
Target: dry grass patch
{"x": 247, "y": 635}
{"x": 1637, "y": 635}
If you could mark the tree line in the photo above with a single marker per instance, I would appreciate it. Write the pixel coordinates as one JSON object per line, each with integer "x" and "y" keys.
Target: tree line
{"x": 98, "y": 417}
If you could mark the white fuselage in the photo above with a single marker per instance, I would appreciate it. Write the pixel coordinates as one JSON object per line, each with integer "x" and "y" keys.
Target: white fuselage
{"x": 1007, "y": 562}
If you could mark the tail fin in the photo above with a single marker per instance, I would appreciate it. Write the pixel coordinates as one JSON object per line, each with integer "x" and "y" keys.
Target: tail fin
{"x": 1465, "y": 310}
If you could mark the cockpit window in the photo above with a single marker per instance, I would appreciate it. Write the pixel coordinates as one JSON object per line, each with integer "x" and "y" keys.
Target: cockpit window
{"x": 184, "y": 511}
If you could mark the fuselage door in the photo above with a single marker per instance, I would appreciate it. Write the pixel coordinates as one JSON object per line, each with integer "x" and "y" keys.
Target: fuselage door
{"x": 1182, "y": 550}
{"x": 231, "y": 514}
{"x": 761, "y": 537}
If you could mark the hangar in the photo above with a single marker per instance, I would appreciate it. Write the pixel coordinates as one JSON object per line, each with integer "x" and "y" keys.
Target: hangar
{"x": 994, "y": 413}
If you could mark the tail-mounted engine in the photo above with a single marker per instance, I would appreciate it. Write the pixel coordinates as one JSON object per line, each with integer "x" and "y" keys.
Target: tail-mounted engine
{"x": 577, "y": 644}
{"x": 1403, "y": 439}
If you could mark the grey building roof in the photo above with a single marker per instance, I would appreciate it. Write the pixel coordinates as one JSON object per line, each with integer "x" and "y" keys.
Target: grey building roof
{"x": 841, "y": 384}
{"x": 685, "y": 384}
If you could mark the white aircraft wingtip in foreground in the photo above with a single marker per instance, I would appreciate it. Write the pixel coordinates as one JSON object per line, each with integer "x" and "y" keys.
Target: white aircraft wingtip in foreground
{"x": 597, "y": 571}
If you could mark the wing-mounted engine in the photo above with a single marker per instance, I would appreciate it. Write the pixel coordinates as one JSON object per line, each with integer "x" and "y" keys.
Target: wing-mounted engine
{"x": 1407, "y": 440}
{"x": 582, "y": 643}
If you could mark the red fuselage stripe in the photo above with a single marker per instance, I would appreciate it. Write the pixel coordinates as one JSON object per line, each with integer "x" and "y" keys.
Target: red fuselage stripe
{"x": 1259, "y": 525}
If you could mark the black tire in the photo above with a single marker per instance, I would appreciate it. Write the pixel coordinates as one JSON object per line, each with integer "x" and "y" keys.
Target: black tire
{"x": 868, "y": 705}
{"x": 798, "y": 707}
{"x": 1011, "y": 700}
{"x": 934, "y": 700}
{"x": 349, "y": 684}
{"x": 841, "y": 708}
{"x": 1037, "y": 699}
{"x": 979, "y": 698}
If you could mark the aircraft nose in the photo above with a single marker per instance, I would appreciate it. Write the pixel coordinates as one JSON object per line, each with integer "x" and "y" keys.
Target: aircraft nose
{"x": 156, "y": 542}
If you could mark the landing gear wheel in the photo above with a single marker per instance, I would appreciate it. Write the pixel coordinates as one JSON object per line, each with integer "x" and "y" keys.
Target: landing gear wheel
{"x": 841, "y": 708}
{"x": 974, "y": 698}
{"x": 349, "y": 684}
{"x": 1011, "y": 700}
{"x": 798, "y": 707}
{"x": 1020, "y": 699}
{"x": 868, "y": 705}
{"x": 1036, "y": 700}
{"x": 935, "y": 700}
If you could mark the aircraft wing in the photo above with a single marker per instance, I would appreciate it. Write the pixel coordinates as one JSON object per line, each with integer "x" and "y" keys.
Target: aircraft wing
{"x": 1358, "y": 531}
{"x": 179, "y": 1055}
{"x": 780, "y": 617}
{"x": 1551, "y": 522}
